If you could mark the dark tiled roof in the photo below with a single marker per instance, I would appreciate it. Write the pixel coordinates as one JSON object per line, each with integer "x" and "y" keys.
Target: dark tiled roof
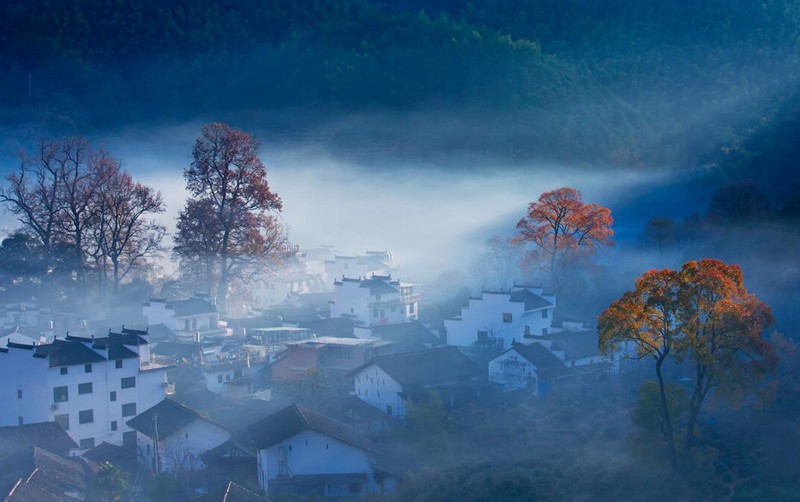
{"x": 104, "y": 452}
{"x": 576, "y": 344}
{"x": 192, "y": 306}
{"x": 547, "y": 364}
{"x": 232, "y": 493}
{"x": 47, "y": 435}
{"x": 160, "y": 331}
{"x": 426, "y": 368}
{"x": 335, "y": 326}
{"x": 68, "y": 353}
{"x": 531, "y": 300}
{"x": 172, "y": 417}
{"x": 45, "y": 476}
{"x": 294, "y": 419}
{"x": 412, "y": 331}
{"x": 175, "y": 349}
{"x": 378, "y": 286}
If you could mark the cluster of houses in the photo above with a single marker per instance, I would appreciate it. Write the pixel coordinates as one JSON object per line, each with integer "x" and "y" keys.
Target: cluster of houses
{"x": 180, "y": 391}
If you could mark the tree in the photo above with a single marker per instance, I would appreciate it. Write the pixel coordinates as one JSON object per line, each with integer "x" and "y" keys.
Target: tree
{"x": 739, "y": 202}
{"x": 499, "y": 263}
{"x": 561, "y": 227}
{"x": 231, "y": 200}
{"x": 723, "y": 327}
{"x": 125, "y": 236}
{"x": 659, "y": 233}
{"x": 645, "y": 319}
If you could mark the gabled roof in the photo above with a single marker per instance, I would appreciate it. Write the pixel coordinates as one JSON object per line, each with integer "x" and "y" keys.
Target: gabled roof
{"x": 431, "y": 367}
{"x": 177, "y": 350}
{"x": 192, "y": 306}
{"x": 531, "y": 300}
{"x": 172, "y": 417}
{"x": 295, "y": 419}
{"x": 47, "y": 435}
{"x": 68, "y": 353}
{"x": 576, "y": 344}
{"x": 42, "y": 476}
{"x": 547, "y": 364}
{"x": 104, "y": 452}
{"x": 413, "y": 331}
{"x": 378, "y": 285}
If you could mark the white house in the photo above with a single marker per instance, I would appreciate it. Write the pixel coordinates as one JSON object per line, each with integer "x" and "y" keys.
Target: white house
{"x": 526, "y": 367}
{"x": 375, "y": 300}
{"x": 301, "y": 452}
{"x": 371, "y": 262}
{"x": 185, "y": 317}
{"x": 182, "y": 436}
{"x": 387, "y": 382}
{"x": 88, "y": 385}
{"x": 230, "y": 377}
{"x": 518, "y": 315}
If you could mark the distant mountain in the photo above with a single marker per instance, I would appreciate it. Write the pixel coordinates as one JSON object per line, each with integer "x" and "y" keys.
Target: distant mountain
{"x": 609, "y": 81}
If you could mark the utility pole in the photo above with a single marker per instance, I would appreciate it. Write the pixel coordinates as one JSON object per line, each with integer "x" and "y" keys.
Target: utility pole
{"x": 155, "y": 444}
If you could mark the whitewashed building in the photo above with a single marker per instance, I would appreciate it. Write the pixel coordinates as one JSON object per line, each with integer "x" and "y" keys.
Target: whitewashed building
{"x": 526, "y": 367}
{"x": 301, "y": 452}
{"x": 182, "y": 435}
{"x": 186, "y": 318}
{"x": 387, "y": 382}
{"x": 370, "y": 263}
{"x": 519, "y": 315}
{"x": 90, "y": 386}
{"x": 375, "y": 300}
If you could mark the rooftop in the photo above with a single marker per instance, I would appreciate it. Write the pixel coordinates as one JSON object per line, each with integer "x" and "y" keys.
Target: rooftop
{"x": 431, "y": 367}
{"x": 169, "y": 415}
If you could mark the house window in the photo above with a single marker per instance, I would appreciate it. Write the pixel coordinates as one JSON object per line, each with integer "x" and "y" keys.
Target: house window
{"x": 227, "y": 377}
{"x": 186, "y": 324}
{"x": 237, "y": 374}
{"x": 483, "y": 336}
{"x": 87, "y": 443}
{"x": 544, "y": 314}
{"x": 60, "y": 394}
{"x": 527, "y": 330}
{"x": 507, "y": 317}
{"x": 383, "y": 314}
{"x": 355, "y": 487}
{"x": 129, "y": 409}
{"x": 544, "y": 331}
{"x": 85, "y": 416}
{"x": 20, "y": 420}
{"x": 62, "y": 420}
{"x": 283, "y": 468}
{"x": 219, "y": 378}
{"x": 129, "y": 438}
{"x": 352, "y": 310}
{"x": 374, "y": 312}
{"x": 389, "y": 410}
{"x": 118, "y": 363}
{"x": 128, "y": 382}
{"x": 113, "y": 425}
{"x": 186, "y": 436}
{"x": 85, "y": 388}
{"x": 19, "y": 394}
{"x": 113, "y": 396}
{"x": 87, "y": 368}
{"x": 64, "y": 370}
{"x": 378, "y": 297}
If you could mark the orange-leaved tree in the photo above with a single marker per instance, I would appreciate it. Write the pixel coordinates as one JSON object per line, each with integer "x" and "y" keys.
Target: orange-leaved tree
{"x": 561, "y": 226}
{"x": 722, "y": 333}
{"x": 644, "y": 320}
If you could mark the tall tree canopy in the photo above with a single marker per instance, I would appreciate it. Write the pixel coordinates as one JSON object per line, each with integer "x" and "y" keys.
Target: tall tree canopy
{"x": 226, "y": 226}
{"x": 562, "y": 227}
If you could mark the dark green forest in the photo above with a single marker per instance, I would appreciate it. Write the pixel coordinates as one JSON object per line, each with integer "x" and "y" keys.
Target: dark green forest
{"x": 623, "y": 82}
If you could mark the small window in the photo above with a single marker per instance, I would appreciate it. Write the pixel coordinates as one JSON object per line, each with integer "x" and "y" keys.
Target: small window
{"x": 87, "y": 443}
{"x": 19, "y": 394}
{"x": 326, "y": 446}
{"x": 21, "y": 421}
{"x": 374, "y": 312}
{"x": 129, "y": 409}
{"x": 544, "y": 331}
{"x": 219, "y": 378}
{"x": 544, "y": 314}
{"x": 113, "y": 425}
{"x": 85, "y": 388}
{"x": 64, "y": 370}
{"x": 507, "y": 317}
{"x": 60, "y": 394}
{"x": 62, "y": 420}
{"x": 355, "y": 487}
{"x": 186, "y": 436}
{"x": 113, "y": 396}
{"x": 118, "y": 363}
{"x": 227, "y": 377}
{"x": 128, "y": 382}
{"x": 237, "y": 374}
{"x": 378, "y": 297}
{"x": 87, "y": 368}
{"x": 389, "y": 410}
{"x": 483, "y": 336}
{"x": 352, "y": 310}
{"x": 85, "y": 416}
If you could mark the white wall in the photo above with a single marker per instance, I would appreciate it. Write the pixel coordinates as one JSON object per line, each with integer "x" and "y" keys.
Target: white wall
{"x": 184, "y": 447}
{"x": 512, "y": 372}
{"x": 376, "y": 388}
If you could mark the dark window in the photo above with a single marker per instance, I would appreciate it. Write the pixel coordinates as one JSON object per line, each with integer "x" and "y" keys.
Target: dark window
{"x": 87, "y": 443}
{"x": 237, "y": 373}
{"x": 129, "y": 410}
{"x": 60, "y": 394}
{"x": 186, "y": 436}
{"x": 118, "y": 363}
{"x": 507, "y": 317}
{"x": 544, "y": 331}
{"x": 389, "y": 410}
{"x": 113, "y": 425}
{"x": 483, "y": 336}
{"x": 19, "y": 394}
{"x": 113, "y": 396}
{"x": 219, "y": 378}
{"x": 544, "y": 314}
{"x": 128, "y": 382}
{"x": 85, "y": 388}
{"x": 85, "y": 416}
{"x": 129, "y": 438}
{"x": 355, "y": 487}
{"x": 87, "y": 368}
{"x": 64, "y": 370}
{"x": 20, "y": 420}
{"x": 62, "y": 420}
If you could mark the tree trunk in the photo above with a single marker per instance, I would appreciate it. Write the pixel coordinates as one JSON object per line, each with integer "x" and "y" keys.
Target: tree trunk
{"x": 667, "y": 429}
{"x": 694, "y": 406}
{"x": 222, "y": 289}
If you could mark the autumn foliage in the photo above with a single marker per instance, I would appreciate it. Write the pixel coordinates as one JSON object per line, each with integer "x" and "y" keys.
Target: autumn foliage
{"x": 703, "y": 317}
{"x": 561, "y": 226}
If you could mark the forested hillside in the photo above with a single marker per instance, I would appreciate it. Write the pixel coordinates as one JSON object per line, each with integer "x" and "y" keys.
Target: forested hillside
{"x": 624, "y": 82}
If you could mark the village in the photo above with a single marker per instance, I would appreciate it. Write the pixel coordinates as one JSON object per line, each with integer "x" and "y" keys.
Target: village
{"x": 290, "y": 400}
